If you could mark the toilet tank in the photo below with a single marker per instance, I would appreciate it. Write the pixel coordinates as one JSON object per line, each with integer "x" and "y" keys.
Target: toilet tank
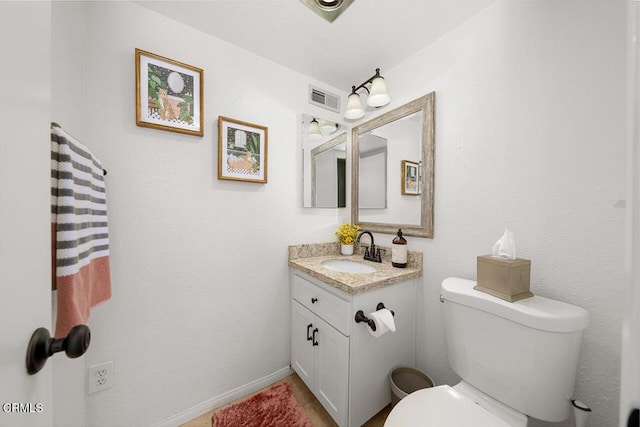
{"x": 523, "y": 354}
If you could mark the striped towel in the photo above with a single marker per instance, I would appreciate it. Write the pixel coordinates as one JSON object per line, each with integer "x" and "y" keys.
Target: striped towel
{"x": 79, "y": 231}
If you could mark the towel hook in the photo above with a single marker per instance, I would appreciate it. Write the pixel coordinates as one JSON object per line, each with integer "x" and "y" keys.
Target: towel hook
{"x": 42, "y": 346}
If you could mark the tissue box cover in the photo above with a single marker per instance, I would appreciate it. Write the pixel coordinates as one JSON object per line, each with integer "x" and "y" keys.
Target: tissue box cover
{"x": 507, "y": 279}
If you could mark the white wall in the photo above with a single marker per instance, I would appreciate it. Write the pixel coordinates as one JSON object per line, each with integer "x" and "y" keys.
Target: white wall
{"x": 199, "y": 266}
{"x": 530, "y": 127}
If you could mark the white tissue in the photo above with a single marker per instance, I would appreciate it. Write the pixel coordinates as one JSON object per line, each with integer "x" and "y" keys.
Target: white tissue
{"x": 384, "y": 322}
{"x": 505, "y": 247}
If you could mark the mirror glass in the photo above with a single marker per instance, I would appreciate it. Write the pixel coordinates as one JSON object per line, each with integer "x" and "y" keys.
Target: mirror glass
{"x": 324, "y": 153}
{"x": 372, "y": 173}
{"x": 392, "y": 168}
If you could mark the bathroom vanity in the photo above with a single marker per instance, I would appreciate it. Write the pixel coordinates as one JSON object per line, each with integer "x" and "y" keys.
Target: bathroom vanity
{"x": 341, "y": 362}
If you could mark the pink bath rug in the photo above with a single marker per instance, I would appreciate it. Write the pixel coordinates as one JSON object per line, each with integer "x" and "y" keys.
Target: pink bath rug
{"x": 274, "y": 407}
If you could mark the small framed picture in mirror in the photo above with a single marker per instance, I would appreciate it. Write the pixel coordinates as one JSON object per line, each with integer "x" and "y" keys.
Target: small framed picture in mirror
{"x": 410, "y": 178}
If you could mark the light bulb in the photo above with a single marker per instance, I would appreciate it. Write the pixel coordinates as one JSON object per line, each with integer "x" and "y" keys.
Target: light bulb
{"x": 354, "y": 107}
{"x": 314, "y": 130}
{"x": 327, "y": 127}
{"x": 378, "y": 97}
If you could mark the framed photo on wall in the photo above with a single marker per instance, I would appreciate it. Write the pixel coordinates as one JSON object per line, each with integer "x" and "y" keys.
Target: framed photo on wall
{"x": 169, "y": 94}
{"x": 242, "y": 151}
{"x": 410, "y": 178}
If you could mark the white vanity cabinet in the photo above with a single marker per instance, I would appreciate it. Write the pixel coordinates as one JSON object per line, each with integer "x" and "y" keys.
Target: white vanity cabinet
{"x": 320, "y": 356}
{"x": 345, "y": 367}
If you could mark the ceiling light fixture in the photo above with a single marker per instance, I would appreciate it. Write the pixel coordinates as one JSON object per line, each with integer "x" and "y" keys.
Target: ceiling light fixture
{"x": 378, "y": 96}
{"x": 327, "y": 9}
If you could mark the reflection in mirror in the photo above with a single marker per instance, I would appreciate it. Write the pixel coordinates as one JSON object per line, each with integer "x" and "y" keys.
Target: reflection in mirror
{"x": 324, "y": 147}
{"x": 402, "y": 179}
{"x": 372, "y": 173}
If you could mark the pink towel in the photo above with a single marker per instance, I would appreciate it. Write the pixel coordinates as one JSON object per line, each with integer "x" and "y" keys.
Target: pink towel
{"x": 79, "y": 231}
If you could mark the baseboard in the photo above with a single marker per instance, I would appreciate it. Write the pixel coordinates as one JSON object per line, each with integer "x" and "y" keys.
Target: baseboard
{"x": 223, "y": 399}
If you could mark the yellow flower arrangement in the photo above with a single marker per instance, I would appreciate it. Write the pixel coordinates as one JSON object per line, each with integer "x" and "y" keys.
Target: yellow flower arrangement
{"x": 347, "y": 233}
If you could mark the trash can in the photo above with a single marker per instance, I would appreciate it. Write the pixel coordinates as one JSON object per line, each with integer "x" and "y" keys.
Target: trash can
{"x": 405, "y": 381}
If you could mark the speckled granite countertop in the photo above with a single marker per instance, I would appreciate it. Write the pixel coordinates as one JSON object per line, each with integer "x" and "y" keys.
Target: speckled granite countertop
{"x": 309, "y": 258}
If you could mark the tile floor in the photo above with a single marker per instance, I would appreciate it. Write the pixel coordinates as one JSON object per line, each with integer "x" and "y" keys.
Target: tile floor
{"x": 316, "y": 413}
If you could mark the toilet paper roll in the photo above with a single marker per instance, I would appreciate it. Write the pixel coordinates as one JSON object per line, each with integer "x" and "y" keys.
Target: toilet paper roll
{"x": 383, "y": 319}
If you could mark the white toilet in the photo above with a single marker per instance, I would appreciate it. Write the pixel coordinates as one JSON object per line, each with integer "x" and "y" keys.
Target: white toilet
{"x": 515, "y": 360}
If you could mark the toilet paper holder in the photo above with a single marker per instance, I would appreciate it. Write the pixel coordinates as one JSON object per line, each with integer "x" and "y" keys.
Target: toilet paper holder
{"x": 360, "y": 316}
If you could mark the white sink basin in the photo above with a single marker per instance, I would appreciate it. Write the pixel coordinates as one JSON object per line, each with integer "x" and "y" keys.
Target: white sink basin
{"x": 346, "y": 266}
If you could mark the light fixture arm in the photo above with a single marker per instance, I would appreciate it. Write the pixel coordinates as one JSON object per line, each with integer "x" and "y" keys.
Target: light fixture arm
{"x": 354, "y": 89}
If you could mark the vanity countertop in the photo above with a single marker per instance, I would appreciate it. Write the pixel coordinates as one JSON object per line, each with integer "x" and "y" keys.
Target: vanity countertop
{"x": 309, "y": 259}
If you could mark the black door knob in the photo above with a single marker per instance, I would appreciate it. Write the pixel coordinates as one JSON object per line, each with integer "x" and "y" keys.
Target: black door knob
{"x": 42, "y": 346}
{"x": 634, "y": 418}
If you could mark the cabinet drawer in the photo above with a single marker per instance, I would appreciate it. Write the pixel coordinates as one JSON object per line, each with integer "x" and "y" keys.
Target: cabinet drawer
{"x": 331, "y": 308}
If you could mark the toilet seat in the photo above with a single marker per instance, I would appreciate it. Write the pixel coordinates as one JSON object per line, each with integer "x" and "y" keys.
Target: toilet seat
{"x": 441, "y": 406}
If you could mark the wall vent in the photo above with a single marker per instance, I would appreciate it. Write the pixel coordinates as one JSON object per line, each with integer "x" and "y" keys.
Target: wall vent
{"x": 324, "y": 99}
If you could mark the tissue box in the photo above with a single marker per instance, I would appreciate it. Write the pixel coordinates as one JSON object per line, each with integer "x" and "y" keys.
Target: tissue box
{"x": 507, "y": 279}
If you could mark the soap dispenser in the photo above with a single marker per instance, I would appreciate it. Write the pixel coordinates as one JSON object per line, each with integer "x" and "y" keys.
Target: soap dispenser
{"x": 399, "y": 251}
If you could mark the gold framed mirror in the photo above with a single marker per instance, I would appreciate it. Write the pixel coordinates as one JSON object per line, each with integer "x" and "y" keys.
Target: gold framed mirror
{"x": 403, "y": 178}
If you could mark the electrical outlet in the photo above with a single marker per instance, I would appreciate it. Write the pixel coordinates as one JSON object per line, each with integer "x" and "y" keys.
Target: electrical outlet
{"x": 100, "y": 377}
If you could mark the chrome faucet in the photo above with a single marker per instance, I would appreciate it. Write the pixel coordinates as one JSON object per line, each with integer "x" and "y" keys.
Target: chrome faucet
{"x": 371, "y": 253}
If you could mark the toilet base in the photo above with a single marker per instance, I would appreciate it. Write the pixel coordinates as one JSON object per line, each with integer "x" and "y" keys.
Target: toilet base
{"x": 510, "y": 415}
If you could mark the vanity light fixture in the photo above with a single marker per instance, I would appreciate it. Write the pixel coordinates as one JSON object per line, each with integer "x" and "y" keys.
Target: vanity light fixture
{"x": 378, "y": 96}
{"x": 317, "y": 130}
{"x": 327, "y": 127}
{"x": 314, "y": 130}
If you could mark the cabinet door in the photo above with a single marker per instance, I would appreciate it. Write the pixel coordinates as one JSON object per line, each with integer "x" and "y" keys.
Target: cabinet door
{"x": 332, "y": 371}
{"x": 302, "y": 325}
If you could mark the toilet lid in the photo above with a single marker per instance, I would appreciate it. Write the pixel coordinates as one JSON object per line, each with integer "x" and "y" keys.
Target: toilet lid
{"x": 440, "y": 406}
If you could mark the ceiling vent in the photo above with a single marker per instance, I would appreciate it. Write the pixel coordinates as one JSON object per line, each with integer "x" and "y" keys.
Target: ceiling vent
{"x": 324, "y": 99}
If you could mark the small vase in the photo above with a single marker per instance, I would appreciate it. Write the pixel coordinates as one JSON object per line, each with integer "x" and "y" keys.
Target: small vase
{"x": 346, "y": 249}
